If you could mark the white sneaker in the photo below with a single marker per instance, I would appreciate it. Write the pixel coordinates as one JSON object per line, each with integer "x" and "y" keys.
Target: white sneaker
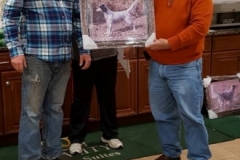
{"x": 75, "y": 148}
{"x": 113, "y": 143}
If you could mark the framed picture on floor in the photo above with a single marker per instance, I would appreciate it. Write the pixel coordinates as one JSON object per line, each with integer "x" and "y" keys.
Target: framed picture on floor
{"x": 117, "y": 23}
{"x": 222, "y": 96}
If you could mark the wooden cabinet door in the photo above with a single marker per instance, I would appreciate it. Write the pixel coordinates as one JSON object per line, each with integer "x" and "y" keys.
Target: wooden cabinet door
{"x": 5, "y": 64}
{"x": 208, "y": 44}
{"x": 225, "y": 63}
{"x": 226, "y": 42}
{"x": 1, "y": 116}
{"x": 11, "y": 89}
{"x": 126, "y": 91}
{"x": 143, "y": 97}
{"x": 139, "y": 52}
{"x": 206, "y": 71}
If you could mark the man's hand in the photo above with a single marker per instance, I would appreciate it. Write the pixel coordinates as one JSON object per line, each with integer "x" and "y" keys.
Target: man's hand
{"x": 159, "y": 44}
{"x": 129, "y": 53}
{"x": 19, "y": 62}
{"x": 84, "y": 60}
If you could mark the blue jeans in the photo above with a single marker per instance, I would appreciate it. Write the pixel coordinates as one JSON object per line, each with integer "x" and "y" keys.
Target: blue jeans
{"x": 176, "y": 94}
{"x": 43, "y": 91}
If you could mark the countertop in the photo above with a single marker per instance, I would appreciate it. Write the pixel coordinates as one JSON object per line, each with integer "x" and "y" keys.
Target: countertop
{"x": 213, "y": 32}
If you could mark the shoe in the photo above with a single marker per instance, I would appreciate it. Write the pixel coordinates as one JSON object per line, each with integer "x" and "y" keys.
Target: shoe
{"x": 113, "y": 143}
{"x": 64, "y": 156}
{"x": 163, "y": 157}
{"x": 75, "y": 148}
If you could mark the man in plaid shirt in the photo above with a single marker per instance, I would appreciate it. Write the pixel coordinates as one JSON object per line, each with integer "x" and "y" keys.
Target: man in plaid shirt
{"x": 38, "y": 34}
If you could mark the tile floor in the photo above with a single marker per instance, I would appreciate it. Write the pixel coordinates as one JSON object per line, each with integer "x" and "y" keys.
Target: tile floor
{"x": 229, "y": 150}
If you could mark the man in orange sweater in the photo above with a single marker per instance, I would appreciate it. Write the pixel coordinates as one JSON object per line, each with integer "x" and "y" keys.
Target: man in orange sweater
{"x": 175, "y": 82}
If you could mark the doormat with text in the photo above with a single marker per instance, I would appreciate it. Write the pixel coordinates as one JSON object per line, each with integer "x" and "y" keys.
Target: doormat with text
{"x": 139, "y": 141}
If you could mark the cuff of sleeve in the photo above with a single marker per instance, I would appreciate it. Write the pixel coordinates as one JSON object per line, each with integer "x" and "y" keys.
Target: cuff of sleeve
{"x": 174, "y": 43}
{"x": 82, "y": 51}
{"x": 16, "y": 51}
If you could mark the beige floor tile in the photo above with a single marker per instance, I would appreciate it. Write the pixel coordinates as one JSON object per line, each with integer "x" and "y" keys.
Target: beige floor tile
{"x": 235, "y": 158}
{"x": 221, "y": 151}
{"x": 233, "y": 146}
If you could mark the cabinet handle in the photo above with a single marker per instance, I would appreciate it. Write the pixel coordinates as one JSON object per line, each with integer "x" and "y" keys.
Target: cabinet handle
{"x": 7, "y": 83}
{"x": 4, "y": 62}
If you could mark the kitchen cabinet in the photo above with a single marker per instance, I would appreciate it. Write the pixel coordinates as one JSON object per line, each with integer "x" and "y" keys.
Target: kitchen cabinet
{"x": 126, "y": 91}
{"x": 11, "y": 101}
{"x": 206, "y": 64}
{"x": 226, "y": 42}
{"x": 225, "y": 62}
{"x": 10, "y": 97}
{"x": 10, "y": 105}
{"x": 11, "y": 89}
{"x": 143, "y": 99}
{"x": 221, "y": 56}
{"x": 4, "y": 65}
{"x": 225, "y": 55}
{"x": 206, "y": 58}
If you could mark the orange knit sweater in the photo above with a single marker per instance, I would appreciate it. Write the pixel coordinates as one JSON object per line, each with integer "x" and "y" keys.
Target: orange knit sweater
{"x": 184, "y": 24}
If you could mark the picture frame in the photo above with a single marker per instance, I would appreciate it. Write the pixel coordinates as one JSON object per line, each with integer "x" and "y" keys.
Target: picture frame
{"x": 117, "y": 24}
{"x": 222, "y": 96}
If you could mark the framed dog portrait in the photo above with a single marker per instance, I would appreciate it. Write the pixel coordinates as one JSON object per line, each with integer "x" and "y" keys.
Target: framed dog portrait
{"x": 117, "y": 23}
{"x": 222, "y": 96}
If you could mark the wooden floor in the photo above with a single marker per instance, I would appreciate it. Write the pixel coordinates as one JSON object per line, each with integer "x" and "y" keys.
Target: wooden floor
{"x": 221, "y": 151}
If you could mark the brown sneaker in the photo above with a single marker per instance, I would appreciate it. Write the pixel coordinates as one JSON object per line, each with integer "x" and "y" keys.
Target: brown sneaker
{"x": 163, "y": 157}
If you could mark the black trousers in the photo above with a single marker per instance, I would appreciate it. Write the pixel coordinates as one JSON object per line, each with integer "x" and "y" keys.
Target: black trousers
{"x": 102, "y": 73}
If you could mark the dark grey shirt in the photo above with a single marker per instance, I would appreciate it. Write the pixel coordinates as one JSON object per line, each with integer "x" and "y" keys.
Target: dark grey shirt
{"x": 95, "y": 54}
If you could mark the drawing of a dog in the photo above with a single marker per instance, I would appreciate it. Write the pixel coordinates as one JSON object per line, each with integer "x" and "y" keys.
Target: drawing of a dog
{"x": 112, "y": 16}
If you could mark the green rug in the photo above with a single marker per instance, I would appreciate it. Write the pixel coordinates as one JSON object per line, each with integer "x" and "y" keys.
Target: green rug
{"x": 229, "y": 125}
{"x": 139, "y": 141}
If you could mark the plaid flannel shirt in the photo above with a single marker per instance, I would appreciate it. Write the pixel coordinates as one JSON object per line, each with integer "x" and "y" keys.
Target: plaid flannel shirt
{"x": 43, "y": 28}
